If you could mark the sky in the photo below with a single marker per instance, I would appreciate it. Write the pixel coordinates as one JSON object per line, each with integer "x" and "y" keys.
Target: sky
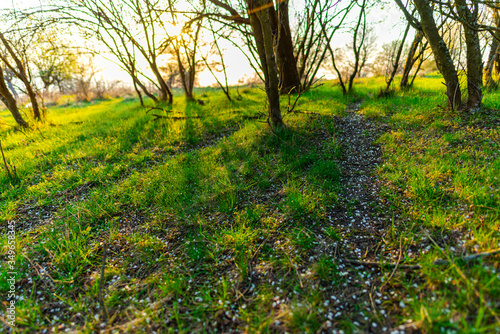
{"x": 388, "y": 27}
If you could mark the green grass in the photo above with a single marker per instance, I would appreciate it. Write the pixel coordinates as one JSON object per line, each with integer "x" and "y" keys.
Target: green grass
{"x": 214, "y": 222}
{"x": 441, "y": 171}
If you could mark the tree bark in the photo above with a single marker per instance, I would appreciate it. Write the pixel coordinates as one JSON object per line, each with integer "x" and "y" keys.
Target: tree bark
{"x": 8, "y": 79}
{"x": 441, "y": 53}
{"x": 411, "y": 59}
{"x": 185, "y": 77}
{"x": 474, "y": 55}
{"x": 262, "y": 31}
{"x": 139, "y": 94}
{"x": 10, "y": 102}
{"x": 361, "y": 24}
{"x": 190, "y": 48}
{"x": 165, "y": 92}
{"x": 494, "y": 56}
{"x": 289, "y": 80}
{"x": 21, "y": 74}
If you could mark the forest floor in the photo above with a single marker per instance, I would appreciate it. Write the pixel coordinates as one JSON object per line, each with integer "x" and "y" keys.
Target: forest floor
{"x": 359, "y": 217}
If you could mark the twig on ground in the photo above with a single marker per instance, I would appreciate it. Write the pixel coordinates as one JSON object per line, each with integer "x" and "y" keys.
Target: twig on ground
{"x": 462, "y": 275}
{"x": 438, "y": 262}
{"x": 175, "y": 118}
{"x": 101, "y": 284}
{"x": 156, "y": 108}
{"x": 469, "y": 257}
{"x": 397, "y": 263}
{"x": 306, "y": 112}
{"x": 36, "y": 266}
{"x": 250, "y": 268}
{"x": 380, "y": 264}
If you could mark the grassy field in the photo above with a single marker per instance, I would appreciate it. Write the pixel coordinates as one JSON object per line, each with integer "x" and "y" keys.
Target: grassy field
{"x": 207, "y": 221}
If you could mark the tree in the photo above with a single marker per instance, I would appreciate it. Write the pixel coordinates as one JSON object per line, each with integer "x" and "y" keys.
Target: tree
{"x": 54, "y": 61}
{"x": 395, "y": 59}
{"x": 10, "y": 102}
{"x": 363, "y": 44}
{"x": 13, "y": 60}
{"x": 468, "y": 14}
{"x": 185, "y": 47}
{"x": 415, "y": 54}
{"x": 83, "y": 77}
{"x": 212, "y": 66}
{"x": 439, "y": 48}
{"x": 170, "y": 68}
{"x": 260, "y": 11}
{"x": 358, "y": 40}
{"x": 9, "y": 76}
{"x": 126, "y": 28}
{"x": 316, "y": 27}
{"x": 389, "y": 62}
{"x": 279, "y": 22}
{"x": 289, "y": 79}
{"x": 494, "y": 55}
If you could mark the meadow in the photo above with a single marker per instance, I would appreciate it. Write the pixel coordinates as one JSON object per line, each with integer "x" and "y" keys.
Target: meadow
{"x": 203, "y": 219}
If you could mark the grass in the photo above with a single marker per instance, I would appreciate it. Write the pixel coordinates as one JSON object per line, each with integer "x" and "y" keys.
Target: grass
{"x": 441, "y": 172}
{"x": 214, "y": 222}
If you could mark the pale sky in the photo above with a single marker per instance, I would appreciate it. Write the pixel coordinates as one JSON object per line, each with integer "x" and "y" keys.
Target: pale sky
{"x": 388, "y": 24}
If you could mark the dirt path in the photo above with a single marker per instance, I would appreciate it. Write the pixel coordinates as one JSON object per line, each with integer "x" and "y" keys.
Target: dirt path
{"x": 361, "y": 210}
{"x": 364, "y": 220}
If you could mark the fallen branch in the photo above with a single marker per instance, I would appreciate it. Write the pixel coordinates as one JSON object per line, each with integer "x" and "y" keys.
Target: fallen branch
{"x": 397, "y": 263}
{"x": 438, "y": 262}
{"x": 380, "y": 264}
{"x": 305, "y": 112}
{"x": 469, "y": 258}
{"x": 156, "y": 108}
{"x": 175, "y": 118}
{"x": 41, "y": 273}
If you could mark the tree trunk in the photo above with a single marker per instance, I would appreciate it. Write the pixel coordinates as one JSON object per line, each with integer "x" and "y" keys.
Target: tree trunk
{"x": 32, "y": 95}
{"x": 395, "y": 65}
{"x": 263, "y": 35}
{"x": 185, "y": 77}
{"x": 339, "y": 75}
{"x": 361, "y": 24}
{"x": 494, "y": 56}
{"x": 441, "y": 53}
{"x": 474, "y": 56}
{"x": 420, "y": 60}
{"x": 139, "y": 94}
{"x": 289, "y": 77}
{"x": 21, "y": 74}
{"x": 489, "y": 81}
{"x": 289, "y": 80}
{"x": 132, "y": 71}
{"x": 10, "y": 102}
{"x": 165, "y": 92}
{"x": 411, "y": 59}
{"x": 8, "y": 79}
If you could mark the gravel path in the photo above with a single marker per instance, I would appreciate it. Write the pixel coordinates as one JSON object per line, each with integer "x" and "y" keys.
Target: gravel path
{"x": 364, "y": 219}
{"x": 361, "y": 205}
